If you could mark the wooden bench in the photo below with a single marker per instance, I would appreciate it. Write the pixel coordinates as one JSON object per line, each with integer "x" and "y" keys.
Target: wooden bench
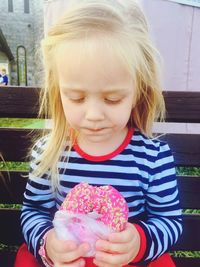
{"x": 182, "y": 107}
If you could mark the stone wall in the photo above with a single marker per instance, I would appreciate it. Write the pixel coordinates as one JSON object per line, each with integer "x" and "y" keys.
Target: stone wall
{"x": 23, "y": 29}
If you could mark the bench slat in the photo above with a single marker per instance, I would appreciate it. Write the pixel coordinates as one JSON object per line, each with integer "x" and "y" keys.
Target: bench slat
{"x": 186, "y": 262}
{"x": 8, "y": 185}
{"x": 189, "y": 188}
{"x": 15, "y": 143}
{"x": 185, "y": 147}
{"x": 190, "y": 239}
{"x": 19, "y": 102}
{"x": 7, "y": 258}
{"x": 182, "y": 106}
{"x": 10, "y": 232}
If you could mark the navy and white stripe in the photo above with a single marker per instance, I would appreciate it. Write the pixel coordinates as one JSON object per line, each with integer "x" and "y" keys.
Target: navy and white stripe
{"x": 143, "y": 172}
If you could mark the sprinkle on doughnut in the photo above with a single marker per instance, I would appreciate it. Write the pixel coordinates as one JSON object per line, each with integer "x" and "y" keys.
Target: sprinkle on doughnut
{"x": 105, "y": 200}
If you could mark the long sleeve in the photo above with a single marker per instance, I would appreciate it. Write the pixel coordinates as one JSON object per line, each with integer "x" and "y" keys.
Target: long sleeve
{"x": 163, "y": 225}
{"x": 38, "y": 207}
{"x": 143, "y": 172}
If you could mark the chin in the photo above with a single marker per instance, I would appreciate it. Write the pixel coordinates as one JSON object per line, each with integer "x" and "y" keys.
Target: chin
{"x": 97, "y": 138}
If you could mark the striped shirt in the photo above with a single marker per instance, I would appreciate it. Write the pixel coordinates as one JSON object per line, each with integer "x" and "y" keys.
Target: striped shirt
{"x": 141, "y": 169}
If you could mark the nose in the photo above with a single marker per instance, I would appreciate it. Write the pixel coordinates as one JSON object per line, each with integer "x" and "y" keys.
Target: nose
{"x": 94, "y": 111}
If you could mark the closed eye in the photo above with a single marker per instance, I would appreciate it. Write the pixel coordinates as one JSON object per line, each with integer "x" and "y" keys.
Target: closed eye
{"x": 77, "y": 100}
{"x": 112, "y": 101}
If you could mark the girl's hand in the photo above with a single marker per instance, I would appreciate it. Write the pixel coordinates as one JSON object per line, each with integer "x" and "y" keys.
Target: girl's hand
{"x": 65, "y": 253}
{"x": 120, "y": 249}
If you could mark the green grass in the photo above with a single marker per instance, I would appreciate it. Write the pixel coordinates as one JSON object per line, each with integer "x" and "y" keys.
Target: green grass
{"x": 186, "y": 254}
{"x": 193, "y": 171}
{"x": 22, "y": 123}
{"x": 11, "y": 206}
{"x": 14, "y": 166}
{"x": 8, "y": 248}
{"x": 191, "y": 211}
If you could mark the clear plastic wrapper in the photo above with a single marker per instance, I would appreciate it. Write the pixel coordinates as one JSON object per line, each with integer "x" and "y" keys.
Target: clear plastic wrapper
{"x": 80, "y": 228}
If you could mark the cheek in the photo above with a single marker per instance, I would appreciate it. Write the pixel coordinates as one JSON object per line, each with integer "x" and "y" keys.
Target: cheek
{"x": 72, "y": 114}
{"x": 68, "y": 109}
{"x": 125, "y": 110}
{"x": 121, "y": 116}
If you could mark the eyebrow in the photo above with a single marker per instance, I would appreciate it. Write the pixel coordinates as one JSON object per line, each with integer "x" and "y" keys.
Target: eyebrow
{"x": 81, "y": 90}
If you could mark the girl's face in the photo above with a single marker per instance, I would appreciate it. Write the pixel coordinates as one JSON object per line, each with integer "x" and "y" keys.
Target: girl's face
{"x": 96, "y": 91}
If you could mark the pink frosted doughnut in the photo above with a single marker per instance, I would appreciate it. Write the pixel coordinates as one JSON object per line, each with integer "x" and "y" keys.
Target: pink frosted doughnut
{"x": 105, "y": 200}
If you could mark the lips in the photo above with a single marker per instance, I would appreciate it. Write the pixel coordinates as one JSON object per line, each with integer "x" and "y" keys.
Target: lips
{"x": 94, "y": 130}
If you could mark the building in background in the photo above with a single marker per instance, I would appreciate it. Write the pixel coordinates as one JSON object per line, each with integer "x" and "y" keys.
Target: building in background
{"x": 175, "y": 29}
{"x": 21, "y": 30}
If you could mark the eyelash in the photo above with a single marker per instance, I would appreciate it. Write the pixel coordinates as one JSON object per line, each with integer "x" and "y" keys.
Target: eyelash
{"x": 108, "y": 101}
{"x": 78, "y": 100}
{"x": 112, "y": 102}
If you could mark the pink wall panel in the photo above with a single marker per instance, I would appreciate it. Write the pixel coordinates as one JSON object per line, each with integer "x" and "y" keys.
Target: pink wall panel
{"x": 194, "y": 68}
{"x": 176, "y": 31}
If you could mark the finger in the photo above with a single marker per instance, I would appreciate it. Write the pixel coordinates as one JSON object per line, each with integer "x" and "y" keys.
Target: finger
{"x": 111, "y": 259}
{"x": 124, "y": 236}
{"x": 115, "y": 248}
{"x": 105, "y": 264}
{"x": 74, "y": 254}
{"x": 60, "y": 246}
{"x": 78, "y": 263}
{"x": 66, "y": 246}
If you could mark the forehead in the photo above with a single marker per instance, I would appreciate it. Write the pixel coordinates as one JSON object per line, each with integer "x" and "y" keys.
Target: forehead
{"x": 90, "y": 61}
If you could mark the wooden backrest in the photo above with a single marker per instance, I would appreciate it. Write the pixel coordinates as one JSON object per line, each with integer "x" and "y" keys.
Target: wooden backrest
{"x": 22, "y": 102}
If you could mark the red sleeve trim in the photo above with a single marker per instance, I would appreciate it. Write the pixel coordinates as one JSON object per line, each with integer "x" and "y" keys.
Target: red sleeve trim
{"x": 143, "y": 243}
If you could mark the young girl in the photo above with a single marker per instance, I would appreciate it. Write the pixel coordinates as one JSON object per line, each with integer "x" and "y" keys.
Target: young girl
{"x": 103, "y": 94}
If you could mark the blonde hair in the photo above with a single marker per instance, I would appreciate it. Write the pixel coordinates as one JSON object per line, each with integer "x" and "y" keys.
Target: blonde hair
{"x": 123, "y": 25}
{"x": 3, "y": 178}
